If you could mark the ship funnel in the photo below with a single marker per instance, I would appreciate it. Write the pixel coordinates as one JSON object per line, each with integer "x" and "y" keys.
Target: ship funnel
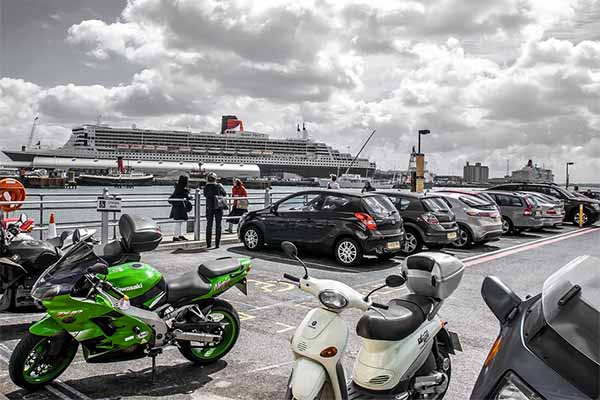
{"x": 231, "y": 122}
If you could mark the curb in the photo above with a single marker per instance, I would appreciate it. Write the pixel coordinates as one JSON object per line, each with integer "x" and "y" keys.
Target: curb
{"x": 195, "y": 244}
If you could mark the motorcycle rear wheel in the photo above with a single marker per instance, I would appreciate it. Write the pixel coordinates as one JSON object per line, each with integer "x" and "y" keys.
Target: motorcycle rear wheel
{"x": 220, "y": 311}
{"x": 30, "y": 365}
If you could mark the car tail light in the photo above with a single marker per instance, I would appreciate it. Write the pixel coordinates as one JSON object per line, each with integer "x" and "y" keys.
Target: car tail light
{"x": 430, "y": 219}
{"x": 366, "y": 220}
{"x": 529, "y": 209}
{"x": 551, "y": 211}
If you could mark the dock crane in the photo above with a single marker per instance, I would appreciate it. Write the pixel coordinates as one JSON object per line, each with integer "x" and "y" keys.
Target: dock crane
{"x": 32, "y": 133}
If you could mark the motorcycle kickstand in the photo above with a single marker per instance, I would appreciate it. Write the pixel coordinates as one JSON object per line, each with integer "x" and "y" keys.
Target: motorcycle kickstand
{"x": 153, "y": 353}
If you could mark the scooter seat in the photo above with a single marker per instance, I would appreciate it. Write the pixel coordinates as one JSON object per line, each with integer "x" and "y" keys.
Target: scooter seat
{"x": 404, "y": 316}
{"x": 186, "y": 287}
{"x": 218, "y": 267}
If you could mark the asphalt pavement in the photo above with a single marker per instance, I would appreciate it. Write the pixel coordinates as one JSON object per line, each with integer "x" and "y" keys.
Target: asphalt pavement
{"x": 259, "y": 365}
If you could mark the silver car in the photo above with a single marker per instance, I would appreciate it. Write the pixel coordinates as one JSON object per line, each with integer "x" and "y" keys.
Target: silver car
{"x": 518, "y": 211}
{"x": 553, "y": 211}
{"x": 478, "y": 220}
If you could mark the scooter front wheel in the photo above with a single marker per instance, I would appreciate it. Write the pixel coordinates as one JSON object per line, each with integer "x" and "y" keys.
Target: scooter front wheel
{"x": 326, "y": 393}
{"x": 35, "y": 363}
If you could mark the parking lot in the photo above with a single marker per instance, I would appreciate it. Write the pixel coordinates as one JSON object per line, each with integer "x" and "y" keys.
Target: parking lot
{"x": 259, "y": 365}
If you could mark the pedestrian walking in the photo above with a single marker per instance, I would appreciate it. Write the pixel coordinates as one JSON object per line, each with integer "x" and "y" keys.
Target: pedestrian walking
{"x": 333, "y": 184}
{"x": 180, "y": 206}
{"x": 368, "y": 187}
{"x": 216, "y": 202}
{"x": 240, "y": 206}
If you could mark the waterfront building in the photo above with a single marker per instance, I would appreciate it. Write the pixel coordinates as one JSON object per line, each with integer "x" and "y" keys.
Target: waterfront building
{"x": 475, "y": 173}
{"x": 532, "y": 173}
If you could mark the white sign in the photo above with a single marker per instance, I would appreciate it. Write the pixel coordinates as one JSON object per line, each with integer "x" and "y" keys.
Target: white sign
{"x": 109, "y": 205}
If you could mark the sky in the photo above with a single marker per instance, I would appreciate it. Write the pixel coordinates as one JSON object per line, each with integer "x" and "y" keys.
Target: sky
{"x": 492, "y": 80}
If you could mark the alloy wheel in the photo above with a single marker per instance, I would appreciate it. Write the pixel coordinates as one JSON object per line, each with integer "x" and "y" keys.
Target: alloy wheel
{"x": 584, "y": 218}
{"x": 505, "y": 225}
{"x": 251, "y": 238}
{"x": 463, "y": 238}
{"x": 347, "y": 252}
{"x": 410, "y": 243}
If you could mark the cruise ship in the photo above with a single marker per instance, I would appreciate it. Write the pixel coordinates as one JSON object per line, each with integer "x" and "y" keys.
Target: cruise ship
{"x": 232, "y": 145}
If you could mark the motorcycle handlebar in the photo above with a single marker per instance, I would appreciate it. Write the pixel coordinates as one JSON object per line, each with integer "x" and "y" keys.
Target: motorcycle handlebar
{"x": 291, "y": 278}
{"x": 379, "y": 305}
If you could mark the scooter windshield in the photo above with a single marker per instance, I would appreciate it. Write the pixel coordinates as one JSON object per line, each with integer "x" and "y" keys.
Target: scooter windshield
{"x": 571, "y": 305}
{"x": 60, "y": 278}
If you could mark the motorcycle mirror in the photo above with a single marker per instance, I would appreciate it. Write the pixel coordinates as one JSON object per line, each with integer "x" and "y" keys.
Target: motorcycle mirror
{"x": 76, "y": 236}
{"x": 23, "y": 218}
{"x": 290, "y": 249}
{"x": 395, "y": 281}
{"x": 500, "y": 299}
{"x": 98, "y": 269}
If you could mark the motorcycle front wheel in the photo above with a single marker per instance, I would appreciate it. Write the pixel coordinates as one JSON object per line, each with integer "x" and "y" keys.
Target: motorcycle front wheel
{"x": 34, "y": 363}
{"x": 208, "y": 353}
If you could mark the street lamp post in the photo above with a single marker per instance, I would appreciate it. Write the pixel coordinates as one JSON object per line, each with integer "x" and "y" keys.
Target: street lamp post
{"x": 567, "y": 183}
{"x": 420, "y": 160}
{"x": 422, "y": 132}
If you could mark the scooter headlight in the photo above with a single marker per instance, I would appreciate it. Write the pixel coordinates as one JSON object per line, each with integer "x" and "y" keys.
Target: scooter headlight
{"x": 511, "y": 387}
{"x": 332, "y": 299}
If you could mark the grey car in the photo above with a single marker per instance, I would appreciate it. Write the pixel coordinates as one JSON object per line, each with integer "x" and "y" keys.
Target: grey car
{"x": 518, "y": 211}
{"x": 553, "y": 211}
{"x": 478, "y": 220}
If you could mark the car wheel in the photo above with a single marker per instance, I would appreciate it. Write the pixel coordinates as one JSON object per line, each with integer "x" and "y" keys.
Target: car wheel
{"x": 412, "y": 242}
{"x": 507, "y": 226}
{"x": 584, "y": 217}
{"x": 464, "y": 239}
{"x": 252, "y": 238}
{"x": 348, "y": 252}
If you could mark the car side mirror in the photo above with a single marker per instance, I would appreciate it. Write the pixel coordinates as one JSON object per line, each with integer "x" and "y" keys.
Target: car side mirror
{"x": 289, "y": 249}
{"x": 23, "y": 218}
{"x": 500, "y": 299}
{"x": 273, "y": 209}
{"x": 76, "y": 236}
{"x": 98, "y": 269}
{"x": 395, "y": 281}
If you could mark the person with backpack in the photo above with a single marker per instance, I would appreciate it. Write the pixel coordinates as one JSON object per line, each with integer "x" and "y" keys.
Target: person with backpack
{"x": 216, "y": 202}
{"x": 180, "y": 206}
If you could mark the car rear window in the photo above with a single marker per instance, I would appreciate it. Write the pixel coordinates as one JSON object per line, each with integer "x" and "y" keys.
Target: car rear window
{"x": 475, "y": 202}
{"x": 378, "y": 205}
{"x": 435, "y": 204}
{"x": 333, "y": 203}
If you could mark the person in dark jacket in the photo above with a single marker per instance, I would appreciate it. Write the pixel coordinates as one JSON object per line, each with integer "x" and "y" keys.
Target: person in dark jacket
{"x": 180, "y": 208}
{"x": 214, "y": 212}
{"x": 368, "y": 187}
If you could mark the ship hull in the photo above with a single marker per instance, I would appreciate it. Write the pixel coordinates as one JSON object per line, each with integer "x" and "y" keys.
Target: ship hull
{"x": 118, "y": 181}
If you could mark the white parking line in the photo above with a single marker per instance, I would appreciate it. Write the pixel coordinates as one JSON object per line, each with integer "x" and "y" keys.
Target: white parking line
{"x": 287, "y": 327}
{"x": 57, "y": 393}
{"x": 72, "y": 390}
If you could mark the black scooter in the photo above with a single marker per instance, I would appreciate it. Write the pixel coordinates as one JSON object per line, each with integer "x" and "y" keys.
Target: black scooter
{"x": 549, "y": 344}
{"x": 23, "y": 261}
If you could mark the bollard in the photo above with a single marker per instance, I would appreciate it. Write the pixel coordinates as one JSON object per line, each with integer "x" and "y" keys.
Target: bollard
{"x": 41, "y": 216}
{"x": 197, "y": 207}
{"x": 581, "y": 215}
{"x": 104, "y": 219}
{"x": 267, "y": 197}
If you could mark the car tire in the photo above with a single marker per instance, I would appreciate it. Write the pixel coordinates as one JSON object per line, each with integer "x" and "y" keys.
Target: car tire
{"x": 253, "y": 238}
{"x": 348, "y": 252}
{"x": 464, "y": 239}
{"x": 507, "y": 226}
{"x": 412, "y": 242}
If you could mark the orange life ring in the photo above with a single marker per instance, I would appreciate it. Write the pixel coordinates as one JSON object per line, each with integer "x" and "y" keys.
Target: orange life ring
{"x": 11, "y": 190}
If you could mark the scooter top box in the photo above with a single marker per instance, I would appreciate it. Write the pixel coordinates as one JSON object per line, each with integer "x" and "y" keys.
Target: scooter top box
{"x": 139, "y": 234}
{"x": 433, "y": 274}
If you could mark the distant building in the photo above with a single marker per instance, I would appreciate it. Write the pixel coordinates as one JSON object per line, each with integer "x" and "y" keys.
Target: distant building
{"x": 447, "y": 180}
{"x": 532, "y": 173}
{"x": 475, "y": 173}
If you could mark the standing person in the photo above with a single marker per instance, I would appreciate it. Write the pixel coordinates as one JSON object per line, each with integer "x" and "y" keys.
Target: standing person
{"x": 333, "y": 183}
{"x": 240, "y": 207}
{"x": 214, "y": 193}
{"x": 367, "y": 187}
{"x": 180, "y": 207}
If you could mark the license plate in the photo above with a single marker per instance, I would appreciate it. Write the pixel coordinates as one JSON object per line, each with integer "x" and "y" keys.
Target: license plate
{"x": 393, "y": 245}
{"x": 538, "y": 213}
{"x": 452, "y": 235}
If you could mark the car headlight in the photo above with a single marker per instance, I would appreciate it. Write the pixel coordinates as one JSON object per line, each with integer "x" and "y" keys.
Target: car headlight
{"x": 331, "y": 299}
{"x": 511, "y": 387}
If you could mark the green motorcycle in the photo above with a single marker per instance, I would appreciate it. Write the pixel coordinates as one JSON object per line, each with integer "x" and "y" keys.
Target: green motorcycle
{"x": 119, "y": 308}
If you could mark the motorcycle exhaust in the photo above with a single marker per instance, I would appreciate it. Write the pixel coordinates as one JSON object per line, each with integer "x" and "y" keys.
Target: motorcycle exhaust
{"x": 195, "y": 337}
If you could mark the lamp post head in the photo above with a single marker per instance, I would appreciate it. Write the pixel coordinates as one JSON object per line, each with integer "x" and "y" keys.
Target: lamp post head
{"x": 570, "y": 163}
{"x": 424, "y": 132}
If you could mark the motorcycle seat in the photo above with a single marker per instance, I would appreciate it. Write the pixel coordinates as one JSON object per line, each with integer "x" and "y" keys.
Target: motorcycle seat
{"x": 404, "y": 316}
{"x": 187, "y": 287}
{"x": 218, "y": 267}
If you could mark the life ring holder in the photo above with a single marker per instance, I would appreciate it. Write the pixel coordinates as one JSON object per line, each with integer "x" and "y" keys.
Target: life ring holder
{"x": 11, "y": 190}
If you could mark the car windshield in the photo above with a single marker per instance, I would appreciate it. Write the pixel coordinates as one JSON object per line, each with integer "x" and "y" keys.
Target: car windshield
{"x": 71, "y": 266}
{"x": 379, "y": 205}
{"x": 571, "y": 304}
{"x": 435, "y": 204}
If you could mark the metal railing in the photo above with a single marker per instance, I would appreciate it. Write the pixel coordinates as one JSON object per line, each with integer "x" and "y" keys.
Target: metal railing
{"x": 84, "y": 205}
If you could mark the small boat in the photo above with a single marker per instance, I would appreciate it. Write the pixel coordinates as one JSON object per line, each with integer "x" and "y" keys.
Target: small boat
{"x": 137, "y": 147}
{"x": 185, "y": 149}
{"x": 149, "y": 147}
{"x": 122, "y": 147}
{"x": 128, "y": 179}
{"x": 162, "y": 148}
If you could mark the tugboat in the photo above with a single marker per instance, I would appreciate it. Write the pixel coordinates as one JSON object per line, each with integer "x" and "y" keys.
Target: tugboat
{"x": 123, "y": 177}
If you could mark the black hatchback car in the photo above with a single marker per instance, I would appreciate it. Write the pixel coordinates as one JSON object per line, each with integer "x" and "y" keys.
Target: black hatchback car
{"x": 427, "y": 218}
{"x": 347, "y": 224}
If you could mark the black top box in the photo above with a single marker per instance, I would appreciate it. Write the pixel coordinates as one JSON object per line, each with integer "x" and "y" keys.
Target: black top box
{"x": 139, "y": 234}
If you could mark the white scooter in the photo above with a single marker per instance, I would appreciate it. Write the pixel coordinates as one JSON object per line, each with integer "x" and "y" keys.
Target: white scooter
{"x": 405, "y": 346}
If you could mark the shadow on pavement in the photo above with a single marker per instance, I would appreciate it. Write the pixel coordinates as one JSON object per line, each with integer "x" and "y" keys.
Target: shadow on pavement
{"x": 322, "y": 263}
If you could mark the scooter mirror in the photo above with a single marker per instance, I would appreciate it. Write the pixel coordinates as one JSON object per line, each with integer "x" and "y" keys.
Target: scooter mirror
{"x": 289, "y": 249}
{"x": 23, "y": 218}
{"x": 395, "y": 281}
{"x": 499, "y": 298}
{"x": 98, "y": 269}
